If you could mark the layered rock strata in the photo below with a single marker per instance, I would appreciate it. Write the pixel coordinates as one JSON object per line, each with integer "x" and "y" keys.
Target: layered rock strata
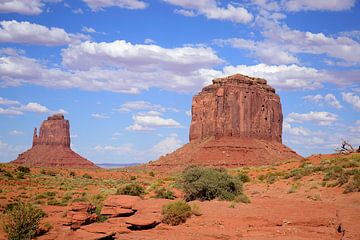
{"x": 236, "y": 121}
{"x": 239, "y": 107}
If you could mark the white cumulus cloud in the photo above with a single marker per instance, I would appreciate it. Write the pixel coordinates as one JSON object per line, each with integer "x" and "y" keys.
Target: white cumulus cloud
{"x": 167, "y": 145}
{"x": 100, "y": 115}
{"x": 212, "y": 10}
{"x": 328, "y": 99}
{"x": 321, "y": 118}
{"x": 151, "y": 120}
{"x": 27, "y": 7}
{"x": 352, "y": 99}
{"x": 327, "y": 5}
{"x": 32, "y": 33}
{"x": 97, "y": 5}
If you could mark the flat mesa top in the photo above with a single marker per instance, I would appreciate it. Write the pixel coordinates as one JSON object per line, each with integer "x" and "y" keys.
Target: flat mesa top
{"x": 239, "y": 78}
{"x": 56, "y": 117}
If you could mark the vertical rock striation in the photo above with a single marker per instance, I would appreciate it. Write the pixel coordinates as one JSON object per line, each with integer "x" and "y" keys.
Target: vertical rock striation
{"x": 53, "y": 131}
{"x": 237, "y": 106}
{"x": 236, "y": 121}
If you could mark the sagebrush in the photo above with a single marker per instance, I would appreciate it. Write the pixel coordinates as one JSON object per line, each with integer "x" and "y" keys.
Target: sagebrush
{"x": 22, "y": 221}
{"x": 204, "y": 183}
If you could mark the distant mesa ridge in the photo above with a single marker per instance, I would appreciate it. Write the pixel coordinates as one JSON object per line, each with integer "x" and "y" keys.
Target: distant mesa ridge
{"x": 235, "y": 121}
{"x": 51, "y": 148}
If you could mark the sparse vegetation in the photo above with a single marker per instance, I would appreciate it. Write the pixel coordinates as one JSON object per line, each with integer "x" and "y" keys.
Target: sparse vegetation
{"x": 294, "y": 188}
{"x": 354, "y": 185}
{"x": 133, "y": 189}
{"x": 23, "y": 169}
{"x": 244, "y": 177}
{"x": 209, "y": 183}
{"x": 232, "y": 204}
{"x": 195, "y": 209}
{"x": 8, "y": 174}
{"x": 315, "y": 197}
{"x": 164, "y": 193}
{"x": 242, "y": 198}
{"x": 176, "y": 213}
{"x": 48, "y": 172}
{"x": 336, "y": 171}
{"x": 87, "y": 176}
{"x": 151, "y": 174}
{"x": 22, "y": 221}
{"x": 20, "y": 175}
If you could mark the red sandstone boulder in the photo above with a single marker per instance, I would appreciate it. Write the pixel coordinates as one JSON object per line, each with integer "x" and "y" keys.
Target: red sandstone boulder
{"x": 119, "y": 205}
{"x": 116, "y": 211}
{"x": 80, "y": 214}
{"x": 123, "y": 201}
{"x": 148, "y": 214}
{"x": 143, "y": 221}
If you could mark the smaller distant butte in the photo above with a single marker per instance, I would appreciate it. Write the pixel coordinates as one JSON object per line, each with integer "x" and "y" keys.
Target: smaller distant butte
{"x": 52, "y": 147}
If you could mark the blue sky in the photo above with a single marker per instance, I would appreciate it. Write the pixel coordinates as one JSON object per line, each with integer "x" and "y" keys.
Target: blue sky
{"x": 124, "y": 71}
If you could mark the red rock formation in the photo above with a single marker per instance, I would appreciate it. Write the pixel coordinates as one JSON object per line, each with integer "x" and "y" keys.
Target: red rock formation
{"x": 236, "y": 121}
{"x": 237, "y": 106}
{"x": 54, "y": 131}
{"x": 52, "y": 147}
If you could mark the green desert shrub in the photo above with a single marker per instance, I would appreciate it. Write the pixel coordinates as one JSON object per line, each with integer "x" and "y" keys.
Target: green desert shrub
{"x": 48, "y": 172}
{"x": 8, "y": 174}
{"x": 56, "y": 202}
{"x": 151, "y": 174}
{"x": 23, "y": 169}
{"x": 20, "y": 175}
{"x": 354, "y": 185}
{"x": 22, "y": 221}
{"x": 87, "y": 176}
{"x": 164, "y": 193}
{"x": 196, "y": 210}
{"x": 72, "y": 174}
{"x": 50, "y": 194}
{"x": 244, "y": 177}
{"x": 242, "y": 198}
{"x": 176, "y": 213}
{"x": 133, "y": 189}
{"x": 209, "y": 183}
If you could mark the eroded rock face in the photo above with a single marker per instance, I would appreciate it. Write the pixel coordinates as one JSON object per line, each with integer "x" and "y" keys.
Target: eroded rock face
{"x": 52, "y": 147}
{"x": 53, "y": 131}
{"x": 236, "y": 121}
{"x": 237, "y": 106}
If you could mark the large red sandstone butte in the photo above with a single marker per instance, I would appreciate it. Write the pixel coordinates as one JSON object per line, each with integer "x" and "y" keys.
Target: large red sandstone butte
{"x": 52, "y": 147}
{"x": 236, "y": 121}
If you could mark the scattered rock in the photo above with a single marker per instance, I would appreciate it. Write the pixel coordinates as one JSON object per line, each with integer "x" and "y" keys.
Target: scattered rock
{"x": 123, "y": 201}
{"x": 80, "y": 214}
{"x": 116, "y": 211}
{"x": 82, "y": 234}
{"x": 143, "y": 221}
{"x": 119, "y": 205}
